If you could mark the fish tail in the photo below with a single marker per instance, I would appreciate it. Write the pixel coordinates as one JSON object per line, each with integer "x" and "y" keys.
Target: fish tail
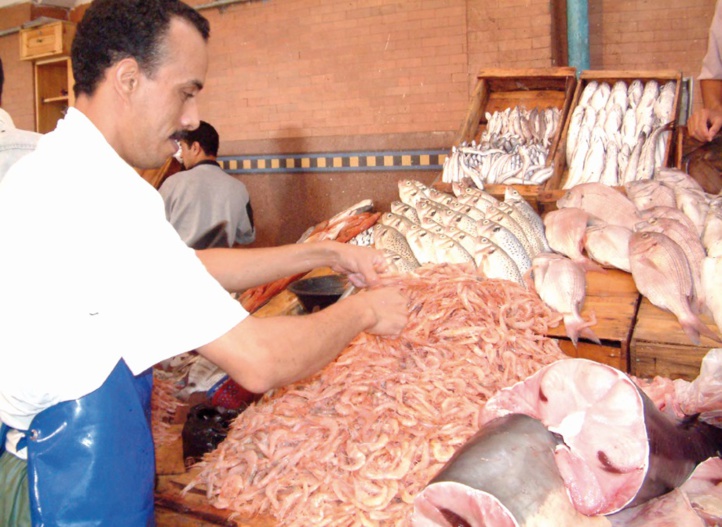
{"x": 694, "y": 327}
{"x": 578, "y": 327}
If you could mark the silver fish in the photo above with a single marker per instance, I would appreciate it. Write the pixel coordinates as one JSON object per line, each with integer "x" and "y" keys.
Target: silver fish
{"x": 410, "y": 191}
{"x": 402, "y": 209}
{"x": 634, "y": 92}
{"x": 514, "y": 198}
{"x": 395, "y": 263}
{"x": 493, "y": 262}
{"x": 421, "y": 243}
{"x": 587, "y": 93}
{"x": 503, "y": 218}
{"x": 561, "y": 284}
{"x": 662, "y": 274}
{"x": 610, "y": 173}
{"x": 600, "y": 97}
{"x": 630, "y": 172}
{"x": 648, "y": 158}
{"x": 505, "y": 239}
{"x": 386, "y": 237}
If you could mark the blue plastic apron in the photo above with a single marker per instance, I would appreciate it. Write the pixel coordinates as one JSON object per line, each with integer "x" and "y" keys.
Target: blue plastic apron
{"x": 91, "y": 461}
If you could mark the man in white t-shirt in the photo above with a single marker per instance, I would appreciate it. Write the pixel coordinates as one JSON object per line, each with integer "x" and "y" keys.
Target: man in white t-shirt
{"x": 14, "y": 143}
{"x": 704, "y": 124}
{"x": 84, "y": 319}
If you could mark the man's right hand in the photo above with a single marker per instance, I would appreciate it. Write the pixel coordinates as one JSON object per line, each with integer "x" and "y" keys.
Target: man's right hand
{"x": 704, "y": 124}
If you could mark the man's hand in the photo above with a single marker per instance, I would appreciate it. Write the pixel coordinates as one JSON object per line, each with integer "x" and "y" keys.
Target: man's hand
{"x": 704, "y": 124}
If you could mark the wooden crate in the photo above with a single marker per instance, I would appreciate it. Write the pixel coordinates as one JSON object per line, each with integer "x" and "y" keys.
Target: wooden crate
{"x": 553, "y": 191}
{"x": 48, "y": 40}
{"x": 614, "y": 299}
{"x": 499, "y": 89}
{"x": 660, "y": 347}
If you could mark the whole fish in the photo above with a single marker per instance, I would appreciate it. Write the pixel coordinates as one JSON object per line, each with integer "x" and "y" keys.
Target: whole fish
{"x": 664, "y": 105}
{"x": 505, "y": 239}
{"x": 630, "y": 171}
{"x": 691, "y": 246}
{"x": 565, "y": 230}
{"x": 648, "y": 158}
{"x": 607, "y": 204}
{"x": 396, "y": 264}
{"x": 662, "y": 274}
{"x": 712, "y": 285}
{"x": 514, "y": 198}
{"x": 610, "y": 173}
{"x": 634, "y": 92}
{"x": 531, "y": 232}
{"x": 676, "y": 178}
{"x": 600, "y": 97}
{"x": 649, "y": 193}
{"x": 629, "y": 129}
{"x": 503, "y": 476}
{"x": 694, "y": 204}
{"x": 421, "y": 243}
{"x": 561, "y": 284}
{"x": 497, "y": 215}
{"x": 388, "y": 238}
{"x": 594, "y": 160}
{"x": 493, "y": 262}
{"x": 576, "y": 167}
{"x": 410, "y": 191}
{"x": 618, "y": 96}
{"x": 587, "y": 93}
{"x": 408, "y": 211}
{"x": 712, "y": 232}
{"x": 398, "y": 222}
{"x": 608, "y": 245}
{"x": 672, "y": 213}
{"x": 575, "y": 125}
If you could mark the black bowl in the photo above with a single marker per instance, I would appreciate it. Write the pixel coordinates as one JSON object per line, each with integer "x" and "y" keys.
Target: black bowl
{"x": 319, "y": 292}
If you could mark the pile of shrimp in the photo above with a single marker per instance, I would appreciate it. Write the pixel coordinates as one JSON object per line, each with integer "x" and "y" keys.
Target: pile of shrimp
{"x": 163, "y": 407}
{"x": 355, "y": 443}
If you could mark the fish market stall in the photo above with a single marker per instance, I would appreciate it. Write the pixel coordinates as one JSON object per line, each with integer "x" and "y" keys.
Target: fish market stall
{"x": 516, "y": 288}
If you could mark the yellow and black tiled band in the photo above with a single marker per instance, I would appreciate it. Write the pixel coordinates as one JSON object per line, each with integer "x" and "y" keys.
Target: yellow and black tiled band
{"x": 335, "y": 162}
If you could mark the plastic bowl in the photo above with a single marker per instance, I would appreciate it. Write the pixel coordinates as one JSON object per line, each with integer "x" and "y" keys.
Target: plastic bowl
{"x": 319, "y": 292}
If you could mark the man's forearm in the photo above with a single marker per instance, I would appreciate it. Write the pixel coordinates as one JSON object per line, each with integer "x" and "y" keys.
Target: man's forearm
{"x": 711, "y": 93}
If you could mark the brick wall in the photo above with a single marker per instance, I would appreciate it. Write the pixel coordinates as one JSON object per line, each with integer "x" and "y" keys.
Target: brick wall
{"x": 368, "y": 72}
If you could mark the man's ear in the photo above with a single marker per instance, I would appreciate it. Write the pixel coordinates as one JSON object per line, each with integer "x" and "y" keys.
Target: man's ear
{"x": 126, "y": 75}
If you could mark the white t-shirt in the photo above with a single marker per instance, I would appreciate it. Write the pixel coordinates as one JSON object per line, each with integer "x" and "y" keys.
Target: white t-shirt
{"x": 712, "y": 62}
{"x": 91, "y": 271}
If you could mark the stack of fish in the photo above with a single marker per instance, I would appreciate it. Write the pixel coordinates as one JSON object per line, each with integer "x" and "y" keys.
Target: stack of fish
{"x": 471, "y": 226}
{"x": 513, "y": 149}
{"x": 667, "y": 232}
{"x": 619, "y": 134}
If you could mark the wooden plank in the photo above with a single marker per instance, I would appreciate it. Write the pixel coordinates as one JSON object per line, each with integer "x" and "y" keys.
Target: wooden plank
{"x": 613, "y": 299}
{"x": 659, "y": 346}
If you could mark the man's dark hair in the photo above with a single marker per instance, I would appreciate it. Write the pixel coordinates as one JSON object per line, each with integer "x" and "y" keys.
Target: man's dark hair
{"x": 205, "y": 135}
{"x": 112, "y": 30}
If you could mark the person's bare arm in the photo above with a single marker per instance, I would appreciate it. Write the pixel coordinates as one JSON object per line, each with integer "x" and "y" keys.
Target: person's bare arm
{"x": 265, "y": 353}
{"x": 704, "y": 124}
{"x": 241, "y": 268}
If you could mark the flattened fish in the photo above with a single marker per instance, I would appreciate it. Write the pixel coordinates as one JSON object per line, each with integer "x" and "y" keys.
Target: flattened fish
{"x": 662, "y": 274}
{"x": 601, "y": 201}
{"x": 561, "y": 284}
{"x": 608, "y": 245}
{"x": 566, "y": 229}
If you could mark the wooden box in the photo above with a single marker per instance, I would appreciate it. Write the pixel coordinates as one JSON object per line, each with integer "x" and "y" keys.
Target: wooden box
{"x": 660, "y": 347}
{"x": 499, "y": 89}
{"x": 48, "y": 40}
{"x": 553, "y": 191}
{"x": 614, "y": 299}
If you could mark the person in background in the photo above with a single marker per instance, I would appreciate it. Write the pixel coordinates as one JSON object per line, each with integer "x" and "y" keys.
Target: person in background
{"x": 84, "y": 314}
{"x": 205, "y": 205}
{"x": 14, "y": 143}
{"x": 704, "y": 123}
